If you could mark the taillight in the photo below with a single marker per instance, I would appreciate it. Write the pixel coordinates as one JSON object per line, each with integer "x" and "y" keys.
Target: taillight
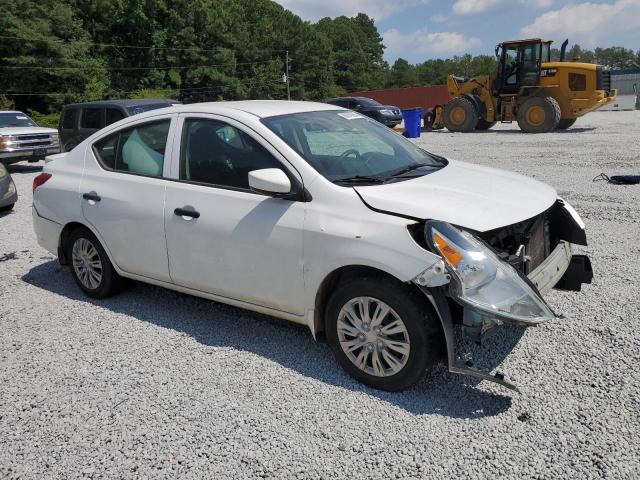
{"x": 40, "y": 180}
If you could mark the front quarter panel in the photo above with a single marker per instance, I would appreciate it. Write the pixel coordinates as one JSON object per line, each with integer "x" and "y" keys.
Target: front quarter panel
{"x": 341, "y": 231}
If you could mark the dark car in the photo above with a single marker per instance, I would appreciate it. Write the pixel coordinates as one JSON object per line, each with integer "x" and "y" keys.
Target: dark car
{"x": 81, "y": 120}
{"x": 386, "y": 114}
{"x": 8, "y": 193}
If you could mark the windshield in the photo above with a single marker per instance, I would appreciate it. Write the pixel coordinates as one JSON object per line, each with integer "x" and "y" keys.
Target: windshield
{"x": 346, "y": 147}
{"x": 15, "y": 119}
{"x": 367, "y": 102}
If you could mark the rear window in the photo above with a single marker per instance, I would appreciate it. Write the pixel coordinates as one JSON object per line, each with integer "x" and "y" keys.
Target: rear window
{"x": 114, "y": 115}
{"x": 92, "y": 118}
{"x": 138, "y": 150}
{"x": 69, "y": 118}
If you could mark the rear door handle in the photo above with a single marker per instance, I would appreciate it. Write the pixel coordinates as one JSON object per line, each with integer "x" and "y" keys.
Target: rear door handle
{"x": 93, "y": 196}
{"x": 186, "y": 212}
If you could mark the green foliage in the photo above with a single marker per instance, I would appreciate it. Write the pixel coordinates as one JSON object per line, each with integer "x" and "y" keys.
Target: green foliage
{"x": 54, "y": 52}
{"x": 6, "y": 103}
{"x": 45, "y": 120}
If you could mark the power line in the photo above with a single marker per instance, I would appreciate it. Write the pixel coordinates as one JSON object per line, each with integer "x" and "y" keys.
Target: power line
{"x": 113, "y": 45}
{"x": 38, "y": 67}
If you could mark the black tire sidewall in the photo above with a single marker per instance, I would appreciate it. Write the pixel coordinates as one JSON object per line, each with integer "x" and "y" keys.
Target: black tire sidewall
{"x": 417, "y": 316}
{"x": 110, "y": 279}
{"x": 472, "y": 115}
{"x": 552, "y": 114}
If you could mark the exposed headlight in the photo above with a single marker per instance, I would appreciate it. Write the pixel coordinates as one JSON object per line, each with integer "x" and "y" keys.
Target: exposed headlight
{"x": 55, "y": 139}
{"x": 483, "y": 281}
{"x": 386, "y": 111}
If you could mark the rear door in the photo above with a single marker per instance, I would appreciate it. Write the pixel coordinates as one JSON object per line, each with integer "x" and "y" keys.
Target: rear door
{"x": 123, "y": 194}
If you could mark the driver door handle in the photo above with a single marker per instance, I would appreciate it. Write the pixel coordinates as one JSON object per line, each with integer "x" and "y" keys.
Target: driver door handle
{"x": 93, "y": 196}
{"x": 186, "y": 212}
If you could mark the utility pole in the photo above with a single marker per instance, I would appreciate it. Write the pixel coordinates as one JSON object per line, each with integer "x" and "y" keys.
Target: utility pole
{"x": 286, "y": 67}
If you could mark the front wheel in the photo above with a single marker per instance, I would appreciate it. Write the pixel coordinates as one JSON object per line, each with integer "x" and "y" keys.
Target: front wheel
{"x": 539, "y": 115}
{"x": 382, "y": 333}
{"x": 90, "y": 266}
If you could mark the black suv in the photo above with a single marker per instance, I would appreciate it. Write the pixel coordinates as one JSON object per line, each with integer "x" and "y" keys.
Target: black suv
{"x": 81, "y": 120}
{"x": 386, "y": 114}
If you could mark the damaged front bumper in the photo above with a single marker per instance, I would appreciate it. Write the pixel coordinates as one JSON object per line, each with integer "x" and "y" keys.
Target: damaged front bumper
{"x": 561, "y": 269}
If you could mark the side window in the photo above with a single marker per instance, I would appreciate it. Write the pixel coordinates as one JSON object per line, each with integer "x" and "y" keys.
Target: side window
{"x": 106, "y": 149}
{"x": 113, "y": 115}
{"x": 69, "y": 118}
{"x": 92, "y": 118}
{"x": 137, "y": 150}
{"x": 217, "y": 153}
{"x": 577, "y": 82}
{"x": 510, "y": 66}
{"x": 141, "y": 149}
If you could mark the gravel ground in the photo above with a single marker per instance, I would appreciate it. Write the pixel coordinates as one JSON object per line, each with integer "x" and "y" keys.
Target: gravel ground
{"x": 156, "y": 384}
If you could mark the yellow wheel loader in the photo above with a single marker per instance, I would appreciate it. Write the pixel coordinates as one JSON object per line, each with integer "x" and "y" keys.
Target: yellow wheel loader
{"x": 529, "y": 88}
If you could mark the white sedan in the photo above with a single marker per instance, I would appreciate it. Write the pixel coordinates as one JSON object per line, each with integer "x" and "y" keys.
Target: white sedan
{"x": 317, "y": 215}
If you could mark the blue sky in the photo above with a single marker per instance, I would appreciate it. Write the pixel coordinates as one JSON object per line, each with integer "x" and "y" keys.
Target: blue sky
{"x": 422, "y": 29}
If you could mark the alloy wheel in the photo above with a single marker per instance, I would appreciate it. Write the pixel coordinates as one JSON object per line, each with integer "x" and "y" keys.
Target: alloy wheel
{"x": 86, "y": 263}
{"x": 373, "y": 336}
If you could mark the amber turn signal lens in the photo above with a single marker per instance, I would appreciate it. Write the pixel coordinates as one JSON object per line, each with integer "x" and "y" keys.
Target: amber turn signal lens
{"x": 451, "y": 254}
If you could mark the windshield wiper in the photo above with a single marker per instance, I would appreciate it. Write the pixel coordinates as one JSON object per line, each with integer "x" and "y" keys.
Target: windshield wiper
{"x": 410, "y": 168}
{"x": 360, "y": 179}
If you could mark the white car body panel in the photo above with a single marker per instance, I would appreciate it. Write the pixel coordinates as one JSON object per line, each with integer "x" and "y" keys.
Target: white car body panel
{"x": 471, "y": 196}
{"x": 266, "y": 254}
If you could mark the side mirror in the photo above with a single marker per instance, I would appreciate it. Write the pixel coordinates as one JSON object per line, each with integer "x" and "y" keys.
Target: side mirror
{"x": 270, "y": 181}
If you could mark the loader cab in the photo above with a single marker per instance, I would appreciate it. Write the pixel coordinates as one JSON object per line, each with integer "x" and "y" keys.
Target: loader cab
{"x": 519, "y": 64}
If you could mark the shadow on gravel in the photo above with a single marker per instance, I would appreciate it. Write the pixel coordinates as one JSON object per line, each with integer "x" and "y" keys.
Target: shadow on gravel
{"x": 24, "y": 168}
{"x": 289, "y": 344}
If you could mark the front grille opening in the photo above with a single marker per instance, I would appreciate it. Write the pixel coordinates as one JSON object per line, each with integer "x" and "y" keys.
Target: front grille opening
{"x": 534, "y": 234}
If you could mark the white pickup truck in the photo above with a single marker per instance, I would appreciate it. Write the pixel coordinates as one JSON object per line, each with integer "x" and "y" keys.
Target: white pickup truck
{"x": 22, "y": 139}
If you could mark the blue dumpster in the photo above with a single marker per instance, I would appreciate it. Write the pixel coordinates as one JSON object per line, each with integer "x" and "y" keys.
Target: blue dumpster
{"x": 412, "y": 122}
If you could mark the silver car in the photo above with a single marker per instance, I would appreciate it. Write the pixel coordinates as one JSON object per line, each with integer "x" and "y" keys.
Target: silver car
{"x": 8, "y": 192}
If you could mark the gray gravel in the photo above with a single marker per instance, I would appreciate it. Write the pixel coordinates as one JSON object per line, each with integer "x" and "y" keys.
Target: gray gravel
{"x": 155, "y": 384}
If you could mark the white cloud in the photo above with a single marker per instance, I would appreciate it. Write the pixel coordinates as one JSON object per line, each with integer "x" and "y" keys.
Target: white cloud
{"x": 425, "y": 43}
{"x": 377, "y": 9}
{"x": 588, "y": 23}
{"x": 439, "y": 18}
{"x": 475, "y": 7}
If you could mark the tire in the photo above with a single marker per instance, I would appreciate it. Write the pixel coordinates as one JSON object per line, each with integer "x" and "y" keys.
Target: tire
{"x": 83, "y": 246}
{"x": 460, "y": 115}
{"x": 7, "y": 208}
{"x": 416, "y": 340}
{"x": 484, "y": 125}
{"x": 565, "y": 123}
{"x": 539, "y": 115}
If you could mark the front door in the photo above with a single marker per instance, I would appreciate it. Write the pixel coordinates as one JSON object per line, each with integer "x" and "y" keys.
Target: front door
{"x": 222, "y": 238}
{"x": 123, "y": 193}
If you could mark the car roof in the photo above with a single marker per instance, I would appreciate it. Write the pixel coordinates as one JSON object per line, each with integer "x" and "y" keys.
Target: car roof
{"x": 259, "y": 108}
{"x": 127, "y": 103}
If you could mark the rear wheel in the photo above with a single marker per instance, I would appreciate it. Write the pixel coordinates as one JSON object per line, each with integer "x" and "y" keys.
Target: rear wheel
{"x": 484, "y": 125}
{"x": 539, "y": 115}
{"x": 382, "y": 333}
{"x": 90, "y": 266}
{"x": 565, "y": 123}
{"x": 460, "y": 115}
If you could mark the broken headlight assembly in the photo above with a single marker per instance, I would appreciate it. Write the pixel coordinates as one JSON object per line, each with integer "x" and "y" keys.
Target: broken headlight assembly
{"x": 480, "y": 280}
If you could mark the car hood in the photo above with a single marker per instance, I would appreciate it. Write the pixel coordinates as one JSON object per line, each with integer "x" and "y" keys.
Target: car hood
{"x": 470, "y": 196}
{"x": 25, "y": 130}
